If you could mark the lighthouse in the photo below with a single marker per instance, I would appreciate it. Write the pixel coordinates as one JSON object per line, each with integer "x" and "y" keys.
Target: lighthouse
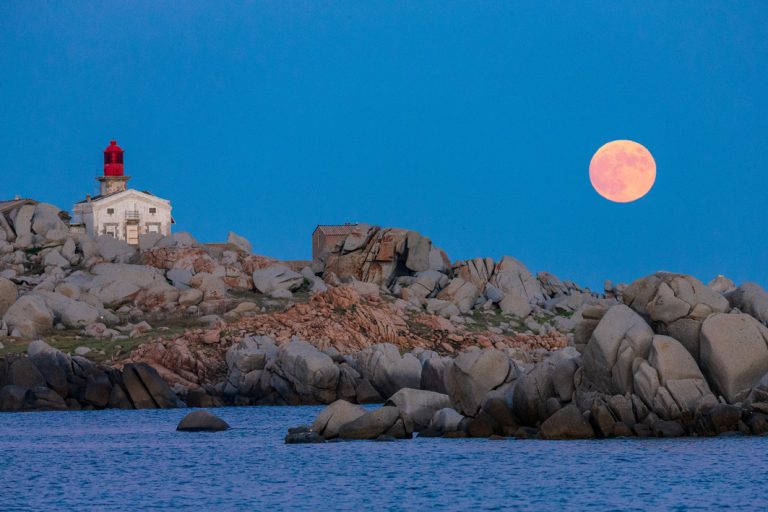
{"x": 114, "y": 179}
{"x": 119, "y": 211}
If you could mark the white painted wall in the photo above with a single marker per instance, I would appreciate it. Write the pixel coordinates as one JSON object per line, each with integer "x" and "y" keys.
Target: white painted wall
{"x": 99, "y": 221}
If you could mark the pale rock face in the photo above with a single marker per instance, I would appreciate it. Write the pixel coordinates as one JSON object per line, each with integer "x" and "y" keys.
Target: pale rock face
{"x": 722, "y": 284}
{"x": 212, "y": 287}
{"x": 191, "y": 297}
{"x": 750, "y": 298}
{"x": 112, "y": 249}
{"x": 46, "y": 218}
{"x": 29, "y": 316}
{"x": 567, "y": 423}
{"x": 445, "y": 420}
{"x": 332, "y": 418}
{"x": 664, "y": 296}
{"x": 620, "y": 337}
{"x": 23, "y": 222}
{"x": 312, "y": 373}
{"x": 515, "y": 305}
{"x": 71, "y": 312}
{"x": 427, "y": 283}
{"x": 512, "y": 277}
{"x": 8, "y": 295}
{"x": 388, "y": 371}
{"x": 240, "y": 242}
{"x": 672, "y": 361}
{"x": 443, "y": 308}
{"x": 734, "y": 353}
{"x": 477, "y": 271}
{"x": 384, "y": 421}
{"x": 183, "y": 239}
{"x": 270, "y": 279}
{"x": 68, "y": 250}
{"x": 472, "y": 375}
{"x": 419, "y": 405}
{"x": 149, "y": 240}
{"x": 670, "y": 382}
{"x": 439, "y": 261}
{"x": 317, "y": 285}
{"x": 55, "y": 259}
{"x": 116, "y": 283}
{"x": 419, "y": 247}
{"x": 461, "y": 293}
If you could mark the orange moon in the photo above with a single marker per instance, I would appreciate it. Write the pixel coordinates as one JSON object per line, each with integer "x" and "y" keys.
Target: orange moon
{"x": 622, "y": 171}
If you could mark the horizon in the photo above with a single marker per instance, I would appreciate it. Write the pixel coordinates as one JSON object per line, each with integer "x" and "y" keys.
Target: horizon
{"x": 293, "y": 117}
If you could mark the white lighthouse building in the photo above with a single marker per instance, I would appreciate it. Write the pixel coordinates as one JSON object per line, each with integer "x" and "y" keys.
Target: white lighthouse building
{"x": 119, "y": 211}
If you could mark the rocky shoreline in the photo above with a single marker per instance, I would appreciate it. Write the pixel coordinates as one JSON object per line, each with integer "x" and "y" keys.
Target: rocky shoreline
{"x": 473, "y": 348}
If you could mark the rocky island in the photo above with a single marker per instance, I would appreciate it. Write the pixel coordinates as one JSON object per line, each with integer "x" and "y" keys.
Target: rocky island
{"x": 478, "y": 348}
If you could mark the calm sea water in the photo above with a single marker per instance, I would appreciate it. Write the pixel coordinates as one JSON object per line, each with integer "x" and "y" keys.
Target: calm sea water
{"x": 109, "y": 460}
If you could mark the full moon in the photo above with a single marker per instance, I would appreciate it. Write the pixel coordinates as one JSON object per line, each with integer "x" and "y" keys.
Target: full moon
{"x": 622, "y": 171}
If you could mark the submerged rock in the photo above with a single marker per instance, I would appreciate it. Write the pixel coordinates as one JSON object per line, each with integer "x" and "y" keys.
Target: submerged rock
{"x": 202, "y": 421}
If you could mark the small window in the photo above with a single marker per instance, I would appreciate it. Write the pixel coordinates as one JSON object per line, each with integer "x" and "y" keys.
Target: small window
{"x": 153, "y": 211}
{"x": 110, "y": 211}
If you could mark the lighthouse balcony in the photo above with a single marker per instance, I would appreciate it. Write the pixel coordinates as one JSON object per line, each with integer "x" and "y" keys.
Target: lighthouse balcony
{"x": 132, "y": 216}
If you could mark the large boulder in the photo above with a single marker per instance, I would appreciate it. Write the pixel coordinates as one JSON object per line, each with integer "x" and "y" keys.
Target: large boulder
{"x": 239, "y": 242}
{"x": 202, "y": 421}
{"x": 472, "y": 375}
{"x": 445, "y": 420}
{"x": 53, "y": 365}
{"x": 419, "y": 405}
{"x": 734, "y": 353}
{"x": 387, "y": 370}
{"x": 246, "y": 360}
{"x": 46, "y": 218}
{"x": 386, "y": 421}
{"x": 375, "y": 255}
{"x": 12, "y": 398}
{"x": 312, "y": 374}
{"x": 532, "y": 392}
{"x": 676, "y": 304}
{"x": 22, "y": 224}
{"x": 45, "y": 399}
{"x": 146, "y": 389}
{"x": 417, "y": 252}
{"x": 476, "y": 271}
{"x": 670, "y": 382}
{"x": 23, "y": 373}
{"x": 567, "y": 423}
{"x": 336, "y": 415}
{"x": 73, "y": 313}
{"x": 620, "y": 337}
{"x": 276, "y": 278}
{"x": 116, "y": 283}
{"x": 513, "y": 278}
{"x": 433, "y": 374}
{"x": 113, "y": 249}
{"x": 750, "y": 298}
{"x": 8, "y": 295}
{"x": 461, "y": 293}
{"x": 29, "y": 316}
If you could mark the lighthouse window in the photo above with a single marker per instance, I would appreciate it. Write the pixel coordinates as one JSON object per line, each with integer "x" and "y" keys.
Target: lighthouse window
{"x": 110, "y": 211}
{"x": 153, "y": 210}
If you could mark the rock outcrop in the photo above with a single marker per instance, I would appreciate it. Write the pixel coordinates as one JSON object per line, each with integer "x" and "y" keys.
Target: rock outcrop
{"x": 202, "y": 421}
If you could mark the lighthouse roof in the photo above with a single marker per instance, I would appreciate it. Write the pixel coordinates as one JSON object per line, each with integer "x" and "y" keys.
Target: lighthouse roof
{"x": 113, "y": 147}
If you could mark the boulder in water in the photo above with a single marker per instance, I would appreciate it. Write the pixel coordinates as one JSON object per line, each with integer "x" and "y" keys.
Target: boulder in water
{"x": 202, "y": 421}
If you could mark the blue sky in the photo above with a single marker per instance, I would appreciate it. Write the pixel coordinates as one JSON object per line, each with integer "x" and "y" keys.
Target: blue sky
{"x": 470, "y": 122}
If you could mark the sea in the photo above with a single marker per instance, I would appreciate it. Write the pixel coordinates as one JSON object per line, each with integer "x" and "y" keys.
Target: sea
{"x": 136, "y": 460}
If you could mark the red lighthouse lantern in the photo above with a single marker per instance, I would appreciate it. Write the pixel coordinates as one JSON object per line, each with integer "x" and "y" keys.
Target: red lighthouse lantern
{"x": 113, "y": 160}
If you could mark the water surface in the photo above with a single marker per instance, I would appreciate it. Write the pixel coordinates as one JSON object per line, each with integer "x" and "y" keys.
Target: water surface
{"x": 114, "y": 459}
